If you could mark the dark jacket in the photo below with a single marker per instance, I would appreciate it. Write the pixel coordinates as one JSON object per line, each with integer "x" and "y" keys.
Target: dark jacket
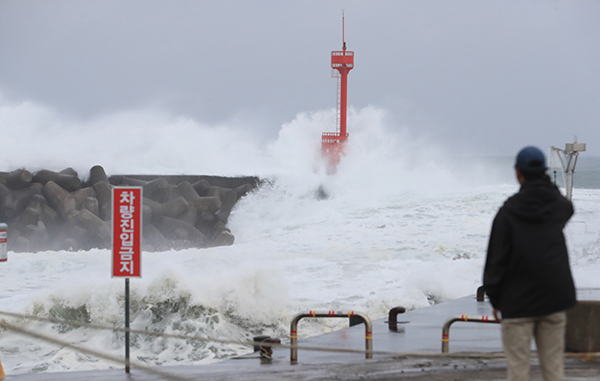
{"x": 527, "y": 271}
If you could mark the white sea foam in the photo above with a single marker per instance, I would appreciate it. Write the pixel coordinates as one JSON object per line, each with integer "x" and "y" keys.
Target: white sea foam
{"x": 404, "y": 224}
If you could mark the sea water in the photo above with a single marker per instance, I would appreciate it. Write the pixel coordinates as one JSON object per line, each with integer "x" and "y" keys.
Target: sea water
{"x": 404, "y": 223}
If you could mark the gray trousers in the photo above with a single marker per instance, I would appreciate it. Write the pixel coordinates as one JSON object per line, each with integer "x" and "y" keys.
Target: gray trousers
{"x": 549, "y": 334}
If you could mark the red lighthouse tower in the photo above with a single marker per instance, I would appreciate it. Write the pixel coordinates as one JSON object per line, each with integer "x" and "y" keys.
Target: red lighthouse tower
{"x": 333, "y": 143}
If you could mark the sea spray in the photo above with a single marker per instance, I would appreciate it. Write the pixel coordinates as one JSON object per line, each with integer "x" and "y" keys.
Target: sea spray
{"x": 405, "y": 223}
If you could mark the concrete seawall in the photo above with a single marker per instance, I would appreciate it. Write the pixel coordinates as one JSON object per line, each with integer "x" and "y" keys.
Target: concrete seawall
{"x": 47, "y": 210}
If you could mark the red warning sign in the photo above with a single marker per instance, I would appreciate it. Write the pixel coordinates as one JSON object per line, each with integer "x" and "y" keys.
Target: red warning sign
{"x": 127, "y": 232}
{"x": 3, "y": 239}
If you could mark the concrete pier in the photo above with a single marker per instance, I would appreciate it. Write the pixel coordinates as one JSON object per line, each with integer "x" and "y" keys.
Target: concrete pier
{"x": 412, "y": 351}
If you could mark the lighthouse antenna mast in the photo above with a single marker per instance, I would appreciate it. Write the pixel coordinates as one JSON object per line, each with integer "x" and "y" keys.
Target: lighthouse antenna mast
{"x": 343, "y": 32}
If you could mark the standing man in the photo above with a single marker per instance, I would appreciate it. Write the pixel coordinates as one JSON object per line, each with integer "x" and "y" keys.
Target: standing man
{"x": 527, "y": 275}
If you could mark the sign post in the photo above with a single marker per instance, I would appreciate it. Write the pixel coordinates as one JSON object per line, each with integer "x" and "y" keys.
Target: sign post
{"x": 126, "y": 243}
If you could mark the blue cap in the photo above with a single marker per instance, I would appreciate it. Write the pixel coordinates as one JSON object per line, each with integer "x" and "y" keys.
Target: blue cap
{"x": 531, "y": 159}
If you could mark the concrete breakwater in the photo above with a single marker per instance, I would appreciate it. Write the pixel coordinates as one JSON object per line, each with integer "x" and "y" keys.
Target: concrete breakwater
{"x": 48, "y": 210}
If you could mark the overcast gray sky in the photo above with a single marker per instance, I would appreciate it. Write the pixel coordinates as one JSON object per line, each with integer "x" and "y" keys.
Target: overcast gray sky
{"x": 484, "y": 76}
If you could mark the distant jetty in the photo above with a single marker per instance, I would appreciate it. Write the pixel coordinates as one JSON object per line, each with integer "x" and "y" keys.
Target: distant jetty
{"x": 47, "y": 210}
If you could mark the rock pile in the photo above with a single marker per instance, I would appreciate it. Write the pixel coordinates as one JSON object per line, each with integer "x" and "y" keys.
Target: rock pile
{"x": 49, "y": 210}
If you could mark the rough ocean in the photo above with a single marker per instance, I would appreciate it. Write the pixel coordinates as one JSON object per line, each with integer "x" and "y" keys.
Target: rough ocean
{"x": 405, "y": 224}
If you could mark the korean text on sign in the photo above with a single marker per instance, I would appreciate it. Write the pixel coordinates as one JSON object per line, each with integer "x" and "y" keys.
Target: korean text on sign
{"x": 127, "y": 231}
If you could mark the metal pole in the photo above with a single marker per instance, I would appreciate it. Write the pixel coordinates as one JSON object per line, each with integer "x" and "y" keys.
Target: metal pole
{"x": 343, "y": 102}
{"x": 570, "y": 171}
{"x": 127, "y": 325}
{"x": 393, "y": 317}
{"x": 569, "y": 186}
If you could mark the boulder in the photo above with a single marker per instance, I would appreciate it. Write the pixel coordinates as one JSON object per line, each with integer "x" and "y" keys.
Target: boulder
{"x": 55, "y": 211}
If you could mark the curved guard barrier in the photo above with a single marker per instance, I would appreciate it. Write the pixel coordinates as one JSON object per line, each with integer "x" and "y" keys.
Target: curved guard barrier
{"x": 481, "y": 294}
{"x": 393, "y": 317}
{"x": 473, "y": 319}
{"x": 331, "y": 314}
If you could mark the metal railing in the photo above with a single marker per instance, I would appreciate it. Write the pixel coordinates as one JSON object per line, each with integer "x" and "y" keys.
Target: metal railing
{"x": 480, "y": 294}
{"x": 472, "y": 319}
{"x": 393, "y": 317}
{"x": 330, "y": 314}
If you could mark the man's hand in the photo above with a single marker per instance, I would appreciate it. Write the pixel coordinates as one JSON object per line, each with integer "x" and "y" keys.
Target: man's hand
{"x": 496, "y": 314}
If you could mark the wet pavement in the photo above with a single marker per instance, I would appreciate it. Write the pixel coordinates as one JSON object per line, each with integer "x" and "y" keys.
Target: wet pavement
{"x": 413, "y": 351}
